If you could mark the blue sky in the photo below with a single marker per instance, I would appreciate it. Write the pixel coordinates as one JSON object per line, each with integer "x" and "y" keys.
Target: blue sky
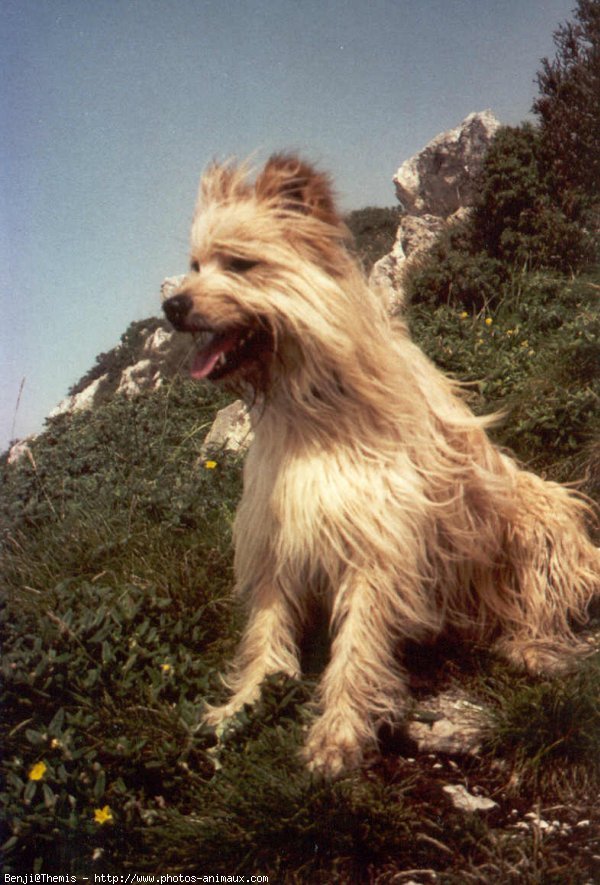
{"x": 111, "y": 108}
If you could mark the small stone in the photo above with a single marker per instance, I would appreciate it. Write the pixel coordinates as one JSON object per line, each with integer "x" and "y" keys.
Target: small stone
{"x": 465, "y": 801}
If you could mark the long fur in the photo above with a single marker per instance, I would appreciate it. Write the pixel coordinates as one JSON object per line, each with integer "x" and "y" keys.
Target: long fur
{"x": 370, "y": 487}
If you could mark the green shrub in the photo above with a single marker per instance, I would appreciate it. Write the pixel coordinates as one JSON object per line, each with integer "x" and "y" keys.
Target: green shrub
{"x": 516, "y": 220}
{"x": 452, "y": 274}
{"x": 374, "y": 231}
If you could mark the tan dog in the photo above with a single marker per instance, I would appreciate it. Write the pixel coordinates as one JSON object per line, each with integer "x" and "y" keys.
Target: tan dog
{"x": 370, "y": 488}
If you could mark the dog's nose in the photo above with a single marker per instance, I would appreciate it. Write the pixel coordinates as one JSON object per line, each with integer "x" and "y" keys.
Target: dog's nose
{"x": 177, "y": 309}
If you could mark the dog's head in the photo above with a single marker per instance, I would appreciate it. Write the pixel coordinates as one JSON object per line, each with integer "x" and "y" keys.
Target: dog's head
{"x": 268, "y": 271}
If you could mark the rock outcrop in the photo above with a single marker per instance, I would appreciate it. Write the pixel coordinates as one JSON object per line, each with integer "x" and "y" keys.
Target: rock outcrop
{"x": 19, "y": 450}
{"x": 231, "y": 430}
{"x": 436, "y": 187}
{"x": 96, "y": 392}
{"x": 439, "y": 179}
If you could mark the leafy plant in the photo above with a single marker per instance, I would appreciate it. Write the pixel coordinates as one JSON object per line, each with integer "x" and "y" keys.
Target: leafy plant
{"x": 453, "y": 272}
{"x": 374, "y": 231}
{"x": 516, "y": 219}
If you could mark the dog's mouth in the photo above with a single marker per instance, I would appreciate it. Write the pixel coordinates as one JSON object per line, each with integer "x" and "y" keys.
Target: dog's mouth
{"x": 220, "y": 354}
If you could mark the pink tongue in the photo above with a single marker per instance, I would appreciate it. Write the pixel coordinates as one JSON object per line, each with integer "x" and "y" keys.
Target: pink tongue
{"x": 206, "y": 359}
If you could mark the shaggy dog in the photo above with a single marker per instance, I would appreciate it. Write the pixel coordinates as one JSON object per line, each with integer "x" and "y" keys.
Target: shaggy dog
{"x": 370, "y": 487}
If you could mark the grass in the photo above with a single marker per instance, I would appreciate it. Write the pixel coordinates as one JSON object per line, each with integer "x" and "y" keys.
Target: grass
{"x": 544, "y": 724}
{"x": 535, "y": 359}
{"x": 116, "y": 619}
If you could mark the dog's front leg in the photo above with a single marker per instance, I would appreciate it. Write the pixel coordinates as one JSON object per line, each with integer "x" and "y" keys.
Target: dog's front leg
{"x": 363, "y": 685}
{"x": 267, "y": 646}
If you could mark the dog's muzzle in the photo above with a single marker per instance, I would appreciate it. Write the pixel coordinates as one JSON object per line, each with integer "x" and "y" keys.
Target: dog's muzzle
{"x": 177, "y": 310}
{"x": 219, "y": 351}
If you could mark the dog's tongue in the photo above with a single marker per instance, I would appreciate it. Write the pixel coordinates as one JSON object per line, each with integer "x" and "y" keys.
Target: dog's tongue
{"x": 206, "y": 358}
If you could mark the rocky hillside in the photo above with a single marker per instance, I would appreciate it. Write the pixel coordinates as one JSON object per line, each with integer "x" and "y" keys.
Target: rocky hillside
{"x": 148, "y": 353}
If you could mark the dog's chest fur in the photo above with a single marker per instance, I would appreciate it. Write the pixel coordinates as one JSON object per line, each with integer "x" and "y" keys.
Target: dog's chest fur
{"x": 291, "y": 496}
{"x": 302, "y": 514}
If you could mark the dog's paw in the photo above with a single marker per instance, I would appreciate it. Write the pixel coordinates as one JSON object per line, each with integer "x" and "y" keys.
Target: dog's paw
{"x": 331, "y": 752}
{"x": 222, "y": 718}
{"x": 542, "y": 658}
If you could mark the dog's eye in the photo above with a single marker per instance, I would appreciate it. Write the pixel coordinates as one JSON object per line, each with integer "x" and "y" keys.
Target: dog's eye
{"x": 195, "y": 266}
{"x": 240, "y": 265}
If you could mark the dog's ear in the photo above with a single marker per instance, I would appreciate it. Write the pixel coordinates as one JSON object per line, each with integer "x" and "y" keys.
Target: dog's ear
{"x": 298, "y": 186}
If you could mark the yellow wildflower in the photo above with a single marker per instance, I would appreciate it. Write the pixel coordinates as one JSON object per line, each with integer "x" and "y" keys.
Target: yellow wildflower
{"x": 464, "y": 315}
{"x": 488, "y": 321}
{"x": 210, "y": 465}
{"x": 165, "y": 667}
{"x": 38, "y": 771}
{"x": 103, "y": 815}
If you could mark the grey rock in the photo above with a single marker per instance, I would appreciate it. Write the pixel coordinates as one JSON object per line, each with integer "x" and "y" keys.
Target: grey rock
{"x": 231, "y": 430}
{"x": 449, "y": 722}
{"x": 440, "y": 178}
{"x": 465, "y": 801}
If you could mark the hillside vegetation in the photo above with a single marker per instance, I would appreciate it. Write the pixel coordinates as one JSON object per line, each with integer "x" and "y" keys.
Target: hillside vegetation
{"x": 117, "y": 616}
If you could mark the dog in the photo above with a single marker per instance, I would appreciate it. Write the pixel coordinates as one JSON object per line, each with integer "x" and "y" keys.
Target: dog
{"x": 370, "y": 488}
